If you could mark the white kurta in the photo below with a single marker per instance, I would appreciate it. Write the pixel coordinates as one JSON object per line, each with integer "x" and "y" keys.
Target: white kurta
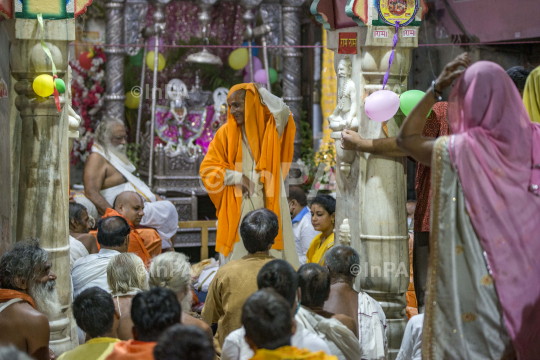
{"x": 257, "y": 200}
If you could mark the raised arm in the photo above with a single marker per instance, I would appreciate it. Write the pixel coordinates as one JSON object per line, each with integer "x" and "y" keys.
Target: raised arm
{"x": 409, "y": 138}
{"x": 94, "y": 174}
{"x": 351, "y": 140}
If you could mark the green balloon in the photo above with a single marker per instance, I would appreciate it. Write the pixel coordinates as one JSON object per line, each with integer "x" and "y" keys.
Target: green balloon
{"x": 137, "y": 60}
{"x": 409, "y": 99}
{"x": 273, "y": 75}
{"x": 60, "y": 86}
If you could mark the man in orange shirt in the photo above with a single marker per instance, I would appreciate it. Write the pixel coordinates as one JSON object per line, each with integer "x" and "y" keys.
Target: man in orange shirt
{"x": 152, "y": 312}
{"x": 144, "y": 243}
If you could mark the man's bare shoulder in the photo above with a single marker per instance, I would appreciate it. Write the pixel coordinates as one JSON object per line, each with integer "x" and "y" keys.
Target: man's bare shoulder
{"x": 347, "y": 321}
{"x": 23, "y": 313}
{"x": 95, "y": 159}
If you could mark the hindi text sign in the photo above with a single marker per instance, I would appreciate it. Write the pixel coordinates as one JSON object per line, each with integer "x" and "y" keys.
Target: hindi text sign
{"x": 347, "y": 43}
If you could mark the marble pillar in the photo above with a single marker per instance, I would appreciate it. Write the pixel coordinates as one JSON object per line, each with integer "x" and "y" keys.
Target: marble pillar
{"x": 292, "y": 75}
{"x": 114, "y": 92}
{"x": 372, "y": 196}
{"x": 41, "y": 197}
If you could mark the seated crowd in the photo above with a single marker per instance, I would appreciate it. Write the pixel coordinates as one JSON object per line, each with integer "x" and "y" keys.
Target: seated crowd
{"x": 259, "y": 307}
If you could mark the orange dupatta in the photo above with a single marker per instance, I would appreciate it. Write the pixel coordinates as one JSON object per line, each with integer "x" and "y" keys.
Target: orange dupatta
{"x": 9, "y": 294}
{"x": 270, "y": 152}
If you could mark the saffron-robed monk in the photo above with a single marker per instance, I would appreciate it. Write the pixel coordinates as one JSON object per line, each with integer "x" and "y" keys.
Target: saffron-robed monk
{"x": 245, "y": 166}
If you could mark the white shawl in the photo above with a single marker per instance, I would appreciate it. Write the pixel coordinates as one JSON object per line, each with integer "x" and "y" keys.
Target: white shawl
{"x": 127, "y": 170}
{"x": 76, "y": 250}
{"x": 341, "y": 341}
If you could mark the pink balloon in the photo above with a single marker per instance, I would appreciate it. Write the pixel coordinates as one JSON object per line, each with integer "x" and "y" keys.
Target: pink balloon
{"x": 260, "y": 77}
{"x": 257, "y": 65}
{"x": 382, "y": 105}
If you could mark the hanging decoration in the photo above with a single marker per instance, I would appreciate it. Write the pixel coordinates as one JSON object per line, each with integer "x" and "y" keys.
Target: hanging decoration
{"x": 44, "y": 82}
{"x": 393, "y": 12}
{"x": 382, "y": 105}
{"x": 238, "y": 59}
{"x": 409, "y": 99}
{"x": 150, "y": 58}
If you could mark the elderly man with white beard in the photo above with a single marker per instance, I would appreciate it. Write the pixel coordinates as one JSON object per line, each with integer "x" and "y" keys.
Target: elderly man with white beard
{"x": 28, "y": 299}
{"x": 108, "y": 172}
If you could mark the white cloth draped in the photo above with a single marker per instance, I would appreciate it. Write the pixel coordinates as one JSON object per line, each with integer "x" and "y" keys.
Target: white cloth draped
{"x": 91, "y": 271}
{"x": 371, "y": 328}
{"x": 411, "y": 345}
{"x": 76, "y": 250}
{"x": 160, "y": 215}
{"x": 341, "y": 341}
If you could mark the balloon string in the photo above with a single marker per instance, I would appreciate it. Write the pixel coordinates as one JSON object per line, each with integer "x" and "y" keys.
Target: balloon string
{"x": 48, "y": 53}
{"x": 385, "y": 79}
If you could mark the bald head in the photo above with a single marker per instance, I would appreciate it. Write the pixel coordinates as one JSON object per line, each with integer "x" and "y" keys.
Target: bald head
{"x": 342, "y": 262}
{"x": 237, "y": 105}
{"x": 130, "y": 205}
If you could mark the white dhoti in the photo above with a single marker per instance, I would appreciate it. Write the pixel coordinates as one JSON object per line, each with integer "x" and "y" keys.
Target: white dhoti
{"x": 160, "y": 215}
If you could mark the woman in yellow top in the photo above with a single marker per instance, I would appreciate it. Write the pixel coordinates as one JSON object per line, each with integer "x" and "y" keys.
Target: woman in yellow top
{"x": 323, "y": 214}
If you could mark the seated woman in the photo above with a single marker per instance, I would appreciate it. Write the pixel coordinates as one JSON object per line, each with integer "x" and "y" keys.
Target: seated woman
{"x": 323, "y": 215}
{"x": 126, "y": 276}
{"x": 171, "y": 271}
{"x": 483, "y": 261}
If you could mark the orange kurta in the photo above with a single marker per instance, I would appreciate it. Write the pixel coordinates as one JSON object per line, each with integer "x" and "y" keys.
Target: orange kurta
{"x": 271, "y": 153}
{"x": 147, "y": 247}
{"x": 132, "y": 349}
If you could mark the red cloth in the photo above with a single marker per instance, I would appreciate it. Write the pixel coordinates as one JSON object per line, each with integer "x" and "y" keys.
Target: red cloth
{"x": 132, "y": 349}
{"x": 8, "y": 294}
{"x": 436, "y": 125}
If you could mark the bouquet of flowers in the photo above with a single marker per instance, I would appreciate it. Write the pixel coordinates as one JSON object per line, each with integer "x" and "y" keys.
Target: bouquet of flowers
{"x": 87, "y": 90}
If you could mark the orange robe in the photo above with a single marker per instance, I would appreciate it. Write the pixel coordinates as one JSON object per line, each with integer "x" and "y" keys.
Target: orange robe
{"x": 291, "y": 353}
{"x": 145, "y": 247}
{"x": 271, "y": 154}
{"x": 412, "y": 304}
{"x": 132, "y": 349}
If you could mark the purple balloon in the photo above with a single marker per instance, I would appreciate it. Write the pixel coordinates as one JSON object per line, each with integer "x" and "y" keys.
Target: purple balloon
{"x": 257, "y": 65}
{"x": 382, "y": 105}
{"x": 247, "y": 78}
{"x": 151, "y": 44}
{"x": 260, "y": 77}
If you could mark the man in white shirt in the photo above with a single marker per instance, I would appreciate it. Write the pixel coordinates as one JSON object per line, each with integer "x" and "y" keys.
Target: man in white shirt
{"x": 411, "y": 345}
{"x": 280, "y": 276}
{"x": 302, "y": 228}
{"x": 91, "y": 270}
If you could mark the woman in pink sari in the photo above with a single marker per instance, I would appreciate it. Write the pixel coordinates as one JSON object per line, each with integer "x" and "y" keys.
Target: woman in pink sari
{"x": 483, "y": 291}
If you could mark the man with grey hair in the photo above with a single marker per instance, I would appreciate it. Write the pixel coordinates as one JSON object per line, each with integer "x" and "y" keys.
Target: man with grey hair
{"x": 28, "y": 298}
{"x": 237, "y": 280}
{"x": 343, "y": 264}
{"x": 108, "y": 172}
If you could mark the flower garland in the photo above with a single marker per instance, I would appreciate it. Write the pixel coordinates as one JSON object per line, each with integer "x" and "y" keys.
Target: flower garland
{"x": 87, "y": 89}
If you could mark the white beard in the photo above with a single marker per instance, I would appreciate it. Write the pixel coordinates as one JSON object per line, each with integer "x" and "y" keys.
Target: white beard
{"x": 186, "y": 302}
{"x": 120, "y": 152}
{"x": 46, "y": 299}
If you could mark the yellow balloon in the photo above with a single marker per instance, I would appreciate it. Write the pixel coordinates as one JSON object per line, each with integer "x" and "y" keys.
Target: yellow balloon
{"x": 132, "y": 101}
{"x": 43, "y": 85}
{"x": 150, "y": 61}
{"x": 238, "y": 58}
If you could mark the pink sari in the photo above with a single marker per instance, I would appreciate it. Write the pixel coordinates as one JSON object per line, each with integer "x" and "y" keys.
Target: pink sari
{"x": 496, "y": 151}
